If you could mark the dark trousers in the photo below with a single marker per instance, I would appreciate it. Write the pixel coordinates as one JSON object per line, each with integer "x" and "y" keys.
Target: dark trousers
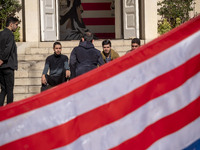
{"x": 7, "y": 85}
{"x": 53, "y": 81}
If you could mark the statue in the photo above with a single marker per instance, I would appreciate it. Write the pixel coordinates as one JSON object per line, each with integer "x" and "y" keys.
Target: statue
{"x": 71, "y": 22}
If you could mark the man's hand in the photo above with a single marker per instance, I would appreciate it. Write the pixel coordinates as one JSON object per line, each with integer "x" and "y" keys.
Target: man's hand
{"x": 1, "y": 62}
{"x": 43, "y": 80}
{"x": 68, "y": 73}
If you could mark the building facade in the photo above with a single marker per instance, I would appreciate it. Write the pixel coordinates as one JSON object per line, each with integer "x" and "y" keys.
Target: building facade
{"x": 114, "y": 19}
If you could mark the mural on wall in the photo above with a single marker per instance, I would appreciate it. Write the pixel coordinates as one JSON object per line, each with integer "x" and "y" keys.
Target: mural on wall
{"x": 71, "y": 23}
{"x": 80, "y": 16}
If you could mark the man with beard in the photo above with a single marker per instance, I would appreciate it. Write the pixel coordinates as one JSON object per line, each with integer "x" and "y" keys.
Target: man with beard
{"x": 8, "y": 60}
{"x": 108, "y": 54}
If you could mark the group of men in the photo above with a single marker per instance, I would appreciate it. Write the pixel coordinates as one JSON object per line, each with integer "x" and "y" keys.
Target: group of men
{"x": 83, "y": 58}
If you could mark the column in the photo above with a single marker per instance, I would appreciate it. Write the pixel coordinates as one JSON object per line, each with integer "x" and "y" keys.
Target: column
{"x": 150, "y": 20}
{"x": 32, "y": 20}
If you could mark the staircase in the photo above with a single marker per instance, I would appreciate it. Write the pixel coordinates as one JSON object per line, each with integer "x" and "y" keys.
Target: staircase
{"x": 31, "y": 59}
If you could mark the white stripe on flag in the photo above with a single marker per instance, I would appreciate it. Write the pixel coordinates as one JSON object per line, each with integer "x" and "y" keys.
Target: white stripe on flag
{"x": 137, "y": 121}
{"x": 181, "y": 139}
{"x": 72, "y": 106}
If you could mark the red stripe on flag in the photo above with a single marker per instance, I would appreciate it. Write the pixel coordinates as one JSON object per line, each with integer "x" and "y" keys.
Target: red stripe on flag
{"x": 96, "y": 6}
{"x": 99, "y": 21}
{"x": 112, "y": 111}
{"x": 95, "y": 76}
{"x": 105, "y": 35}
{"x": 163, "y": 127}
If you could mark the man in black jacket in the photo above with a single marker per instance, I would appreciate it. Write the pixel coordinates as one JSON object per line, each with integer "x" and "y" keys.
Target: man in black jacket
{"x": 85, "y": 57}
{"x": 57, "y": 65}
{"x": 8, "y": 60}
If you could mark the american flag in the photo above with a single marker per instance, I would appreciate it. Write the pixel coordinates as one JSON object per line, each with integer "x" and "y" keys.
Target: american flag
{"x": 147, "y": 99}
{"x": 99, "y": 17}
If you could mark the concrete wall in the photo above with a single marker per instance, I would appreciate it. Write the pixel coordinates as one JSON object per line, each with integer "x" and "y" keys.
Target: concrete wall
{"x": 150, "y": 20}
{"x": 32, "y": 20}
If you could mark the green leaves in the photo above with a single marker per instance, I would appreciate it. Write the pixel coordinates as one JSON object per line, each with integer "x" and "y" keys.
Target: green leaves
{"x": 164, "y": 27}
{"x": 17, "y": 34}
{"x": 8, "y": 8}
{"x": 171, "y": 10}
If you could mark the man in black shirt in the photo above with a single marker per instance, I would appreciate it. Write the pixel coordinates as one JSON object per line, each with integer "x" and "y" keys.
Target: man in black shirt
{"x": 8, "y": 60}
{"x": 58, "y": 66}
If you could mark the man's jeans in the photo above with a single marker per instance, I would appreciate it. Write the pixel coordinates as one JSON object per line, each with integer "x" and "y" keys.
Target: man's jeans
{"x": 7, "y": 85}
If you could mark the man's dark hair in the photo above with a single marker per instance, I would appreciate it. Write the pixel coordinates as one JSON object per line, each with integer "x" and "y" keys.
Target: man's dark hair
{"x": 136, "y": 40}
{"x": 88, "y": 37}
{"x": 11, "y": 20}
{"x": 56, "y": 43}
{"x": 106, "y": 42}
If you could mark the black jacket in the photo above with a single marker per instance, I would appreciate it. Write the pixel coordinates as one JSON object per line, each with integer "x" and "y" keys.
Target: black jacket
{"x": 8, "y": 50}
{"x": 84, "y": 58}
{"x": 57, "y": 64}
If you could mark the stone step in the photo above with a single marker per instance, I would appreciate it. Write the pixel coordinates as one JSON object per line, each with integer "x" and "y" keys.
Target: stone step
{"x": 28, "y": 73}
{"x": 42, "y": 53}
{"x": 26, "y": 89}
{"x": 21, "y": 96}
{"x": 27, "y": 81}
{"x": 31, "y": 65}
{"x": 23, "y": 47}
{"x": 42, "y": 57}
{"x": 73, "y": 43}
{"x": 33, "y": 57}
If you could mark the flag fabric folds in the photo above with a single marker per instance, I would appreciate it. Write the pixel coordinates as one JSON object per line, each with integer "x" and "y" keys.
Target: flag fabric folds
{"x": 147, "y": 99}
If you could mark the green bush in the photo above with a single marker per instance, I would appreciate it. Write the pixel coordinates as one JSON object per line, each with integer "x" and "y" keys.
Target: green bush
{"x": 17, "y": 35}
{"x": 178, "y": 22}
{"x": 175, "y": 12}
{"x": 9, "y": 8}
{"x": 164, "y": 27}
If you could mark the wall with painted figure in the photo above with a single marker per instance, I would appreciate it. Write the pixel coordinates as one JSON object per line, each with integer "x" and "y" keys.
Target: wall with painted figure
{"x": 80, "y": 16}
